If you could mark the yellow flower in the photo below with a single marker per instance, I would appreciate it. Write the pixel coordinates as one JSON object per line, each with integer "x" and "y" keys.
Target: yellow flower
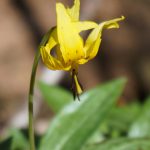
{"x": 70, "y": 50}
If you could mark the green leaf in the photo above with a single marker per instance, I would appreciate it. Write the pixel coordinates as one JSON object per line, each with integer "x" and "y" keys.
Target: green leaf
{"x": 141, "y": 127}
{"x": 19, "y": 142}
{"x": 15, "y": 141}
{"x": 6, "y": 144}
{"x": 121, "y": 144}
{"x": 56, "y": 97}
{"x": 117, "y": 123}
{"x": 72, "y": 127}
{"x": 121, "y": 118}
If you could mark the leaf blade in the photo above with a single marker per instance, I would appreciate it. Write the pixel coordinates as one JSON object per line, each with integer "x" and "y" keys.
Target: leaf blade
{"x": 122, "y": 144}
{"x": 141, "y": 126}
{"x": 76, "y": 122}
{"x": 56, "y": 97}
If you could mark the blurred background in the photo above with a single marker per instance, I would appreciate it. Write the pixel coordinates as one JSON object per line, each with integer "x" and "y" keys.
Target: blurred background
{"x": 123, "y": 52}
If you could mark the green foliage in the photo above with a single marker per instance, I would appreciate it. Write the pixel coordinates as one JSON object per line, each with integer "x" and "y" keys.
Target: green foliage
{"x": 120, "y": 119}
{"x": 6, "y": 144}
{"x": 19, "y": 142}
{"x": 141, "y": 125}
{"x": 72, "y": 127}
{"x": 121, "y": 144}
{"x": 15, "y": 141}
{"x": 94, "y": 123}
{"x": 56, "y": 97}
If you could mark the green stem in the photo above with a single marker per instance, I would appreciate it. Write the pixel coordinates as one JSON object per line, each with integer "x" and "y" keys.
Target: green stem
{"x": 31, "y": 90}
{"x": 30, "y": 100}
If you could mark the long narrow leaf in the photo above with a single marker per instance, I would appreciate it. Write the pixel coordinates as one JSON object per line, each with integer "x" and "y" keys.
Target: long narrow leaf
{"x": 72, "y": 127}
{"x": 141, "y": 127}
{"x": 121, "y": 144}
{"x": 56, "y": 97}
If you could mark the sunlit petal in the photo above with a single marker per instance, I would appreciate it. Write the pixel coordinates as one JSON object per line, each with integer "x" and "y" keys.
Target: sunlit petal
{"x": 74, "y": 11}
{"x": 93, "y": 41}
{"x": 84, "y": 25}
{"x": 50, "y": 61}
{"x": 71, "y": 43}
{"x": 64, "y": 49}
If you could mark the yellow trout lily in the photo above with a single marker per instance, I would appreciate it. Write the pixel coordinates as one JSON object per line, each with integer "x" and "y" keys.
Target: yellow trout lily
{"x": 65, "y": 48}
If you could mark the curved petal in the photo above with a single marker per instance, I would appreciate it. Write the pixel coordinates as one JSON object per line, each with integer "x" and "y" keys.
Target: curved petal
{"x": 50, "y": 61}
{"x": 84, "y": 25}
{"x": 71, "y": 44}
{"x": 74, "y": 11}
{"x": 93, "y": 41}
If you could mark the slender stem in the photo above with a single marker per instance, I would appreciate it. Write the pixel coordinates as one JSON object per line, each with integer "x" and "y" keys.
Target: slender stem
{"x": 31, "y": 90}
{"x": 30, "y": 101}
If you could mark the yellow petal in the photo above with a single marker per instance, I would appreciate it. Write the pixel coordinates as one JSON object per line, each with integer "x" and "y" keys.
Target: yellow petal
{"x": 93, "y": 41}
{"x": 82, "y": 61}
{"x": 84, "y": 25}
{"x": 111, "y": 23}
{"x": 71, "y": 44}
{"x": 74, "y": 11}
{"x": 50, "y": 61}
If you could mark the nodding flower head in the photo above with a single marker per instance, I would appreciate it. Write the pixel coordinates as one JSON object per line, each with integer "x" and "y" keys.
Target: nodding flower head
{"x": 70, "y": 50}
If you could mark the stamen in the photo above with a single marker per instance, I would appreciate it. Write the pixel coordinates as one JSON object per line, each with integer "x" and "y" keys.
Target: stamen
{"x": 76, "y": 88}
